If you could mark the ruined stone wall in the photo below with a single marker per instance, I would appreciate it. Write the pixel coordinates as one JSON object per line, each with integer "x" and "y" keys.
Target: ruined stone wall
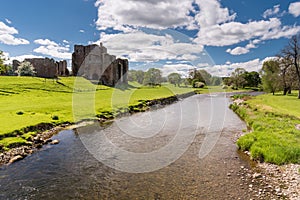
{"x": 15, "y": 65}
{"x": 62, "y": 69}
{"x": 45, "y": 67}
{"x": 94, "y": 63}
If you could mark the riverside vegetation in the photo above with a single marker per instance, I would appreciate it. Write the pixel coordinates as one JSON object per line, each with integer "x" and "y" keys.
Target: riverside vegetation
{"x": 30, "y": 105}
{"x": 274, "y": 123}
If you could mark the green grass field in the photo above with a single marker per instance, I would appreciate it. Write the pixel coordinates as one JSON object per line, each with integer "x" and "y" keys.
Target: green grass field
{"x": 274, "y": 138}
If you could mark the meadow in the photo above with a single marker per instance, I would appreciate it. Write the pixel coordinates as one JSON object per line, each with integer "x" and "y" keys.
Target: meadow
{"x": 274, "y": 137}
{"x": 29, "y": 101}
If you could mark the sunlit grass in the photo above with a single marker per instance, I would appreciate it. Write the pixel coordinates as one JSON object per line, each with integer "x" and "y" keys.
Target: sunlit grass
{"x": 27, "y": 101}
{"x": 274, "y": 138}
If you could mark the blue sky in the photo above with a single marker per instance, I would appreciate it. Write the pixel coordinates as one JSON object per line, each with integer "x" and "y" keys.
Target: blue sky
{"x": 174, "y": 35}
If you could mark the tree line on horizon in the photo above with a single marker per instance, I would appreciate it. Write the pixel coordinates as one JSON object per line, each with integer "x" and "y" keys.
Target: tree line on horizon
{"x": 153, "y": 76}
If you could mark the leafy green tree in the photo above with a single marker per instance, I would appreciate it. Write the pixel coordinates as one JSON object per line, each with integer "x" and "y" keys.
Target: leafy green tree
{"x": 200, "y": 76}
{"x": 2, "y": 66}
{"x": 185, "y": 82}
{"x": 136, "y": 75}
{"x": 252, "y": 79}
{"x": 174, "y": 78}
{"x": 4, "y": 69}
{"x": 215, "y": 80}
{"x": 131, "y": 76}
{"x": 271, "y": 76}
{"x": 152, "y": 77}
{"x": 140, "y": 76}
{"x": 237, "y": 77}
{"x": 227, "y": 81}
{"x": 26, "y": 69}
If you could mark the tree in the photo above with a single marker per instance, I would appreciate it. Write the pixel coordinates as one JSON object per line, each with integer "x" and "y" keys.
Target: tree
{"x": 152, "y": 77}
{"x": 215, "y": 80}
{"x": 131, "y": 76}
{"x": 200, "y": 76}
{"x": 140, "y": 76}
{"x": 237, "y": 77}
{"x": 185, "y": 82}
{"x": 6, "y": 70}
{"x": 1, "y": 58}
{"x": 292, "y": 51}
{"x": 26, "y": 69}
{"x": 285, "y": 64}
{"x": 227, "y": 81}
{"x": 2, "y": 65}
{"x": 271, "y": 76}
{"x": 136, "y": 75}
{"x": 252, "y": 79}
{"x": 174, "y": 78}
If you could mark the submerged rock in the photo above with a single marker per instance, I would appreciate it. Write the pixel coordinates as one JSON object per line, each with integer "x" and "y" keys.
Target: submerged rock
{"x": 16, "y": 158}
{"x": 54, "y": 142}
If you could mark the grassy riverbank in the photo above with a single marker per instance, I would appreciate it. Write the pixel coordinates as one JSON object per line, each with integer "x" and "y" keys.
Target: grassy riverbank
{"x": 273, "y": 119}
{"x": 29, "y": 101}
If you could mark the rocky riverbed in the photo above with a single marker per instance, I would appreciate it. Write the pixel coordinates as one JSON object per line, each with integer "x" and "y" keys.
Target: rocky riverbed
{"x": 42, "y": 138}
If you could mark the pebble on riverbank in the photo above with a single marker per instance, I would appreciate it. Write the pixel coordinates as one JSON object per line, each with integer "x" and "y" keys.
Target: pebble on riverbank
{"x": 54, "y": 142}
{"x": 285, "y": 179}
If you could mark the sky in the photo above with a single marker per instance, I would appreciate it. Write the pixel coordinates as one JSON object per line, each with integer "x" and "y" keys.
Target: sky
{"x": 173, "y": 35}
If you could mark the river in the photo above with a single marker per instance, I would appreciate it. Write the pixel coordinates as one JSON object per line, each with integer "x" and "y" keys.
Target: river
{"x": 181, "y": 151}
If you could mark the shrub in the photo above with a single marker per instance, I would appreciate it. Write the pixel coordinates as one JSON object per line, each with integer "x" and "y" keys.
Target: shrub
{"x": 224, "y": 87}
{"x": 26, "y": 69}
{"x": 198, "y": 84}
{"x": 55, "y": 117}
{"x": 20, "y": 113}
{"x": 246, "y": 142}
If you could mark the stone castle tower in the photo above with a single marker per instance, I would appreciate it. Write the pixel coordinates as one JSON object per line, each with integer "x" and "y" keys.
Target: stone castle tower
{"x": 94, "y": 63}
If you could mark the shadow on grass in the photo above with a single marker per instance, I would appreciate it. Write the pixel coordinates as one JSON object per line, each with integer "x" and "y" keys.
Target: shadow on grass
{"x": 124, "y": 87}
{"x": 7, "y": 93}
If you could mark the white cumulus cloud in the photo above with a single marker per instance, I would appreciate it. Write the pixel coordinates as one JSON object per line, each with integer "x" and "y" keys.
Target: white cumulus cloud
{"x": 238, "y": 51}
{"x": 271, "y": 12}
{"x": 211, "y": 13}
{"x": 243, "y": 50}
{"x": 7, "y": 35}
{"x": 51, "y": 48}
{"x": 8, "y": 21}
{"x": 127, "y": 14}
{"x": 234, "y": 32}
{"x": 294, "y": 9}
{"x": 144, "y": 47}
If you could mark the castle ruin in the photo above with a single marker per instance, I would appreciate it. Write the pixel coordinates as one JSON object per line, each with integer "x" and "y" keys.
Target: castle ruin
{"x": 45, "y": 67}
{"x": 62, "y": 68}
{"x": 94, "y": 63}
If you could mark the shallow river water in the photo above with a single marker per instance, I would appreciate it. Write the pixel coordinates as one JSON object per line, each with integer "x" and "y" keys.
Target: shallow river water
{"x": 182, "y": 151}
